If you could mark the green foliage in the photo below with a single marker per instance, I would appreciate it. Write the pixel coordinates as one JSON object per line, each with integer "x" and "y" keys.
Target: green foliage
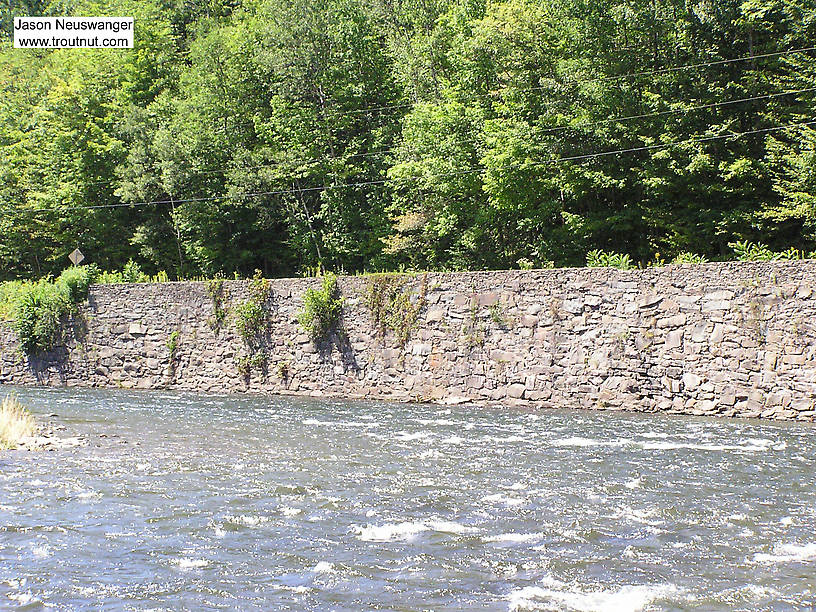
{"x": 499, "y": 316}
{"x": 77, "y": 280}
{"x": 393, "y": 307}
{"x": 252, "y": 323}
{"x": 689, "y": 258}
{"x": 602, "y": 259}
{"x": 322, "y": 309}
{"x": 37, "y": 309}
{"x": 428, "y": 135}
{"x": 218, "y": 296}
{"x": 750, "y": 251}
{"x": 252, "y": 314}
{"x": 173, "y": 344}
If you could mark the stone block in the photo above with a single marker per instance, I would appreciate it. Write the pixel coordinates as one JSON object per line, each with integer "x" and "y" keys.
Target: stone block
{"x": 691, "y": 381}
{"x": 435, "y": 315}
{"x": 674, "y": 339}
{"x": 674, "y": 321}
{"x": 137, "y": 329}
{"x": 516, "y": 390}
{"x": 649, "y": 301}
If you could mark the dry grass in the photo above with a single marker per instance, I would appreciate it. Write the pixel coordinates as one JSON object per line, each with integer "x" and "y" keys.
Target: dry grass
{"x": 16, "y": 423}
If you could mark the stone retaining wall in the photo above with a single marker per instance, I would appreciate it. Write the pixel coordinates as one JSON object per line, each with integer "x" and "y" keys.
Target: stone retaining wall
{"x": 733, "y": 339}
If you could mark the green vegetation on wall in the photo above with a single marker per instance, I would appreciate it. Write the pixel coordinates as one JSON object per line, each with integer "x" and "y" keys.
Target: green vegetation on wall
{"x": 322, "y": 309}
{"x": 252, "y": 324}
{"x": 393, "y": 306}
{"x": 37, "y": 309}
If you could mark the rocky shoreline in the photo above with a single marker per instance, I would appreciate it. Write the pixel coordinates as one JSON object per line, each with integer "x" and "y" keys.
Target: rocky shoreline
{"x": 48, "y": 438}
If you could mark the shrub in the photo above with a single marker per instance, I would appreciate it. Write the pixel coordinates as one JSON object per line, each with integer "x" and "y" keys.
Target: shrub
{"x": 77, "y": 280}
{"x": 756, "y": 251}
{"x": 251, "y": 319}
{"x": 602, "y": 259}
{"x": 689, "y": 258}
{"x": 38, "y": 310}
{"x": 322, "y": 309}
{"x": 16, "y": 423}
{"x": 132, "y": 273}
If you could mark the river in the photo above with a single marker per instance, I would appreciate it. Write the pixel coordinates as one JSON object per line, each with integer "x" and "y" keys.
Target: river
{"x": 202, "y": 502}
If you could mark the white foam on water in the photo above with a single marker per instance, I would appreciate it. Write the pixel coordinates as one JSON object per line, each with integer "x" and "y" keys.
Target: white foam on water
{"x": 452, "y": 440}
{"x": 408, "y": 530}
{"x": 290, "y": 512}
{"x": 450, "y": 527}
{"x": 22, "y": 598}
{"x": 435, "y": 422}
{"x": 501, "y": 498}
{"x": 186, "y": 563}
{"x": 390, "y": 532}
{"x": 316, "y": 422}
{"x": 654, "y": 434}
{"x": 431, "y": 453}
{"x": 249, "y": 521}
{"x": 324, "y": 567}
{"x": 515, "y": 537}
{"x": 294, "y": 589}
{"x": 634, "y": 483}
{"x": 517, "y": 486}
{"x": 404, "y": 436}
{"x": 41, "y": 552}
{"x": 579, "y": 441}
{"x": 786, "y": 520}
{"x": 737, "y": 517}
{"x": 751, "y": 446}
{"x": 787, "y": 553}
{"x": 628, "y": 598}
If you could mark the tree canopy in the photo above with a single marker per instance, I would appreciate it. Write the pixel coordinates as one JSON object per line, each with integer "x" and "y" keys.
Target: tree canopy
{"x": 283, "y": 135}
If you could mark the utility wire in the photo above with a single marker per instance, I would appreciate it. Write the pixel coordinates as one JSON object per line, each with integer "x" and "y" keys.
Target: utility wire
{"x": 560, "y": 128}
{"x": 618, "y": 77}
{"x": 440, "y": 175}
{"x": 590, "y": 80}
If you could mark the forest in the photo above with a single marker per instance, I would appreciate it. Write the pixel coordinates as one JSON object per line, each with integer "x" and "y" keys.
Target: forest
{"x": 289, "y": 136}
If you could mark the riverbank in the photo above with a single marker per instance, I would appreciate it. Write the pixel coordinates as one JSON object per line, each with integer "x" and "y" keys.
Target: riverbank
{"x": 20, "y": 430}
{"x": 732, "y": 339}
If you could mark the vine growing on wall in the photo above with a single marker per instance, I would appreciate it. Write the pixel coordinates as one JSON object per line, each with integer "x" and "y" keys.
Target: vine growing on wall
{"x": 393, "y": 306}
{"x": 219, "y": 296}
{"x": 252, "y": 324}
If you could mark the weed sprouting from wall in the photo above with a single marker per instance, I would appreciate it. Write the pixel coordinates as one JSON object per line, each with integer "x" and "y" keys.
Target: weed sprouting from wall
{"x": 218, "y": 295}
{"x": 252, "y": 324}
{"x": 322, "y": 309}
{"x": 393, "y": 306}
{"x": 473, "y": 330}
{"x": 172, "y": 348}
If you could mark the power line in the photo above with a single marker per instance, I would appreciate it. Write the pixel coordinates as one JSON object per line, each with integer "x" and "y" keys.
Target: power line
{"x": 601, "y": 79}
{"x": 542, "y": 163}
{"x": 677, "y": 68}
{"x": 560, "y": 128}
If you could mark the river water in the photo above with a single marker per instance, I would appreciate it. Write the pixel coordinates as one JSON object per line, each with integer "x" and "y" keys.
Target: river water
{"x": 183, "y": 501}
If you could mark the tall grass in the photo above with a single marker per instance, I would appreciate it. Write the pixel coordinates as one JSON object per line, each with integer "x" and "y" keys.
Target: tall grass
{"x": 16, "y": 423}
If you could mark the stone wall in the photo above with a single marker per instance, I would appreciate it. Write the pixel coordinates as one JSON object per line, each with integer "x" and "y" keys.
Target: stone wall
{"x": 733, "y": 339}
